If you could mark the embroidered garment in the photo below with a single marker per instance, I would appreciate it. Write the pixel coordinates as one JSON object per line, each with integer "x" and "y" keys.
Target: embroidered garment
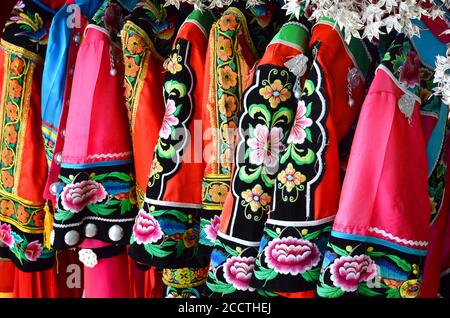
{"x": 23, "y": 163}
{"x": 380, "y": 235}
{"x": 268, "y": 111}
{"x": 231, "y": 55}
{"x": 146, "y": 40}
{"x": 307, "y": 187}
{"x": 95, "y": 195}
{"x": 166, "y": 229}
{"x": 63, "y": 45}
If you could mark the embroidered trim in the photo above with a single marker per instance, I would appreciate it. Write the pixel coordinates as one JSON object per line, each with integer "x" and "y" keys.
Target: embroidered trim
{"x": 396, "y": 238}
{"x": 125, "y": 154}
{"x": 11, "y": 48}
{"x": 94, "y": 218}
{"x": 301, "y": 223}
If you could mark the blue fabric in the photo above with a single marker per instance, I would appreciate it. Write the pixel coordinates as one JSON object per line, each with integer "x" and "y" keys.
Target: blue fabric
{"x": 55, "y": 68}
{"x": 437, "y": 139}
{"x": 43, "y": 6}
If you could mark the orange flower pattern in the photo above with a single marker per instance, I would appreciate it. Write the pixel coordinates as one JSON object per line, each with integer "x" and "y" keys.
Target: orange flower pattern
{"x": 227, "y": 105}
{"x": 135, "y": 44}
{"x": 228, "y": 22}
{"x": 39, "y": 218}
{"x": 15, "y": 89}
{"x": 275, "y": 92}
{"x": 7, "y": 157}
{"x": 11, "y": 134}
{"x": 11, "y": 111}
{"x": 218, "y": 193}
{"x": 7, "y": 207}
{"x": 227, "y": 77}
{"x": 22, "y": 215}
{"x": 7, "y": 179}
{"x": 224, "y": 49}
{"x": 17, "y": 66}
{"x": 131, "y": 68}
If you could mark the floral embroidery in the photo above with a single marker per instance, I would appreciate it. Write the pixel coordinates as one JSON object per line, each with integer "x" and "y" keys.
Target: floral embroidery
{"x": 347, "y": 272}
{"x": 39, "y": 218}
{"x": 7, "y": 207}
{"x": 11, "y": 111}
{"x": 238, "y": 272}
{"x": 22, "y": 215}
{"x": 7, "y": 179}
{"x": 224, "y": 49}
{"x": 227, "y": 77}
{"x": 173, "y": 64}
{"x": 290, "y": 178}
{"x": 212, "y": 229}
{"x": 10, "y": 135}
{"x": 169, "y": 120}
{"x": 218, "y": 193}
{"x": 76, "y": 196}
{"x": 409, "y": 71}
{"x": 135, "y": 45}
{"x": 33, "y": 251}
{"x": 265, "y": 146}
{"x": 275, "y": 92}
{"x": 257, "y": 199}
{"x": 146, "y": 228}
{"x": 184, "y": 277}
{"x": 156, "y": 168}
{"x": 17, "y": 66}
{"x": 190, "y": 238}
{"x": 290, "y": 255}
{"x": 131, "y": 68}
{"x": 299, "y": 130}
{"x": 228, "y": 22}
{"x": 5, "y": 234}
{"x": 101, "y": 194}
{"x": 7, "y": 157}
{"x": 227, "y": 105}
{"x": 370, "y": 270}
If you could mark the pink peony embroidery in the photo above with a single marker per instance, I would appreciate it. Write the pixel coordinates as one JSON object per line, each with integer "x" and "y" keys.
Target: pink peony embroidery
{"x": 348, "y": 271}
{"x": 212, "y": 229}
{"x": 298, "y": 134}
{"x": 5, "y": 235}
{"x": 169, "y": 119}
{"x": 265, "y": 146}
{"x": 290, "y": 255}
{"x": 146, "y": 228}
{"x": 238, "y": 272}
{"x": 76, "y": 196}
{"x": 33, "y": 251}
{"x": 410, "y": 70}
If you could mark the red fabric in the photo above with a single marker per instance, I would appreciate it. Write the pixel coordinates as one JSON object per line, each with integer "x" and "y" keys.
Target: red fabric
{"x": 7, "y": 272}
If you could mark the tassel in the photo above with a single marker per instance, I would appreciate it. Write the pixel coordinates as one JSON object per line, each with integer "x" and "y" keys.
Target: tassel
{"x": 48, "y": 226}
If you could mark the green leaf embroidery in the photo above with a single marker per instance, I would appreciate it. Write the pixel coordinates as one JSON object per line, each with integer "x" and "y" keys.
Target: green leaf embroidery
{"x": 308, "y": 134}
{"x": 179, "y": 215}
{"x": 339, "y": 251}
{"x": 404, "y": 265}
{"x": 312, "y": 235}
{"x": 309, "y": 87}
{"x": 100, "y": 209}
{"x": 172, "y": 85}
{"x": 279, "y": 114}
{"x": 157, "y": 251}
{"x": 308, "y": 109}
{"x": 265, "y": 274}
{"x": 221, "y": 288}
{"x": 269, "y": 182}
{"x": 177, "y": 110}
{"x": 228, "y": 249}
{"x": 259, "y": 108}
{"x": 306, "y": 159}
{"x": 311, "y": 275}
{"x": 132, "y": 239}
{"x": 266, "y": 293}
{"x": 168, "y": 153}
{"x": 125, "y": 206}
{"x": 62, "y": 215}
{"x": 363, "y": 290}
{"x": 169, "y": 243}
{"x": 393, "y": 293}
{"x": 65, "y": 180}
{"x": 376, "y": 254}
{"x": 326, "y": 291}
{"x": 271, "y": 233}
{"x": 118, "y": 175}
{"x": 249, "y": 177}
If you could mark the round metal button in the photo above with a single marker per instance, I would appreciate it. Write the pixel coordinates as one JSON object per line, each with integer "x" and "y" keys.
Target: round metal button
{"x": 53, "y": 188}
{"x": 58, "y": 158}
{"x": 115, "y": 233}
{"x": 90, "y": 230}
{"x": 71, "y": 238}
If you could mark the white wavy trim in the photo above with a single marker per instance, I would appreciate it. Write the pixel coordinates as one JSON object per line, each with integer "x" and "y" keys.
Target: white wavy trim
{"x": 109, "y": 155}
{"x": 396, "y": 238}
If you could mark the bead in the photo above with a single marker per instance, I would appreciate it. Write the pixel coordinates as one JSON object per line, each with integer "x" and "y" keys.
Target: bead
{"x": 52, "y": 237}
{"x": 115, "y": 233}
{"x": 113, "y": 72}
{"x": 351, "y": 102}
{"x": 297, "y": 94}
{"x": 71, "y": 238}
{"x": 58, "y": 158}
{"x": 53, "y": 188}
{"x": 77, "y": 38}
{"x": 90, "y": 230}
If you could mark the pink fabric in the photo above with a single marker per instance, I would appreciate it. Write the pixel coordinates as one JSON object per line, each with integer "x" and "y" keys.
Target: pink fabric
{"x": 386, "y": 181}
{"x": 90, "y": 99}
{"x": 109, "y": 278}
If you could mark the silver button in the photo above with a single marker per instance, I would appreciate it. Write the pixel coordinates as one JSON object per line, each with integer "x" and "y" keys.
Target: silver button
{"x": 52, "y": 237}
{"x": 115, "y": 233}
{"x": 71, "y": 238}
{"x": 53, "y": 188}
{"x": 77, "y": 38}
{"x": 58, "y": 158}
{"x": 90, "y": 230}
